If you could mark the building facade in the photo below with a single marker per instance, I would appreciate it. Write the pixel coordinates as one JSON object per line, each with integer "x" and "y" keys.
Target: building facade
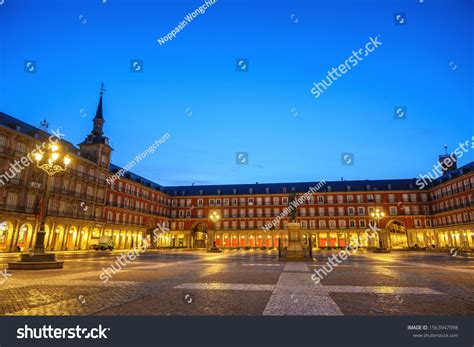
{"x": 84, "y": 205}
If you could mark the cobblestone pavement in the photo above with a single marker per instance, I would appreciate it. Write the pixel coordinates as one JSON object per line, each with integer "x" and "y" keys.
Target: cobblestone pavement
{"x": 242, "y": 283}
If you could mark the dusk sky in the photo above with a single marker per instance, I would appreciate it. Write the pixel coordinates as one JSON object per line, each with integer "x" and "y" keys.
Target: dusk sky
{"x": 190, "y": 88}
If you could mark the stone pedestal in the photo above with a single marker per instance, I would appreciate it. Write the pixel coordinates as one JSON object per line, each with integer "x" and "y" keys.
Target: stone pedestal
{"x": 36, "y": 262}
{"x": 295, "y": 249}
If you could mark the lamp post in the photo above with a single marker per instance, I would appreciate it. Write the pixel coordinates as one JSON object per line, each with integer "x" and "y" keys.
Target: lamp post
{"x": 214, "y": 217}
{"x": 377, "y": 215}
{"x": 52, "y": 161}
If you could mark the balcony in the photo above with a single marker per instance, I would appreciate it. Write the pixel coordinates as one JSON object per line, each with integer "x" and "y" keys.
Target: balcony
{"x": 17, "y": 208}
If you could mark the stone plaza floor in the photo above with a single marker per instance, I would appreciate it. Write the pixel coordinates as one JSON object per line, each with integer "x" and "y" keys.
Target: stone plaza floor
{"x": 243, "y": 283}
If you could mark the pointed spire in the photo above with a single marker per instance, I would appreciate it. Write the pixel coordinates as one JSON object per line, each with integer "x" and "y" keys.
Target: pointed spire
{"x": 99, "y": 116}
{"x": 99, "y": 113}
{"x": 97, "y": 134}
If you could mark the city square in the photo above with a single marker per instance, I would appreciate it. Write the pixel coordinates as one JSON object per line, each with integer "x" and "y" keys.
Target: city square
{"x": 254, "y": 282}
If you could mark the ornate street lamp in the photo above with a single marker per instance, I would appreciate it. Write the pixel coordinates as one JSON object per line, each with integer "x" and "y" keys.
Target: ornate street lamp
{"x": 52, "y": 161}
{"x": 214, "y": 217}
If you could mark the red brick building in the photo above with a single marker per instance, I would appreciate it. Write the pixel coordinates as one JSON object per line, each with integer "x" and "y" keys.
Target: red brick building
{"x": 85, "y": 204}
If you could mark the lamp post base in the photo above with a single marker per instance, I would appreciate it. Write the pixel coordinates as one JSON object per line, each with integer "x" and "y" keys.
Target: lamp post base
{"x": 33, "y": 261}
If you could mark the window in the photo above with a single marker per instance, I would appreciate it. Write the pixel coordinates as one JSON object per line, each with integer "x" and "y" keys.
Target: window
{"x": 200, "y": 202}
{"x": 350, "y": 211}
{"x": 352, "y": 223}
{"x": 250, "y": 201}
{"x": 361, "y": 211}
{"x": 332, "y": 224}
{"x": 350, "y": 198}
{"x": 391, "y": 197}
{"x": 211, "y": 202}
{"x": 393, "y": 210}
{"x": 226, "y": 202}
{"x": 188, "y": 214}
{"x": 362, "y": 223}
{"x": 234, "y": 202}
{"x": 330, "y": 199}
{"x": 360, "y": 198}
{"x": 320, "y": 199}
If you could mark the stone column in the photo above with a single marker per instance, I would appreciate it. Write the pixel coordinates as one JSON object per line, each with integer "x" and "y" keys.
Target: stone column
{"x": 450, "y": 239}
{"x": 14, "y": 238}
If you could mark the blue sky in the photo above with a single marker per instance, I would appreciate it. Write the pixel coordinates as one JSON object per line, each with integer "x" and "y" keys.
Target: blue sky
{"x": 425, "y": 65}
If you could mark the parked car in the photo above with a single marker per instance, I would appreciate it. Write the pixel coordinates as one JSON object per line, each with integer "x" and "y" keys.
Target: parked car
{"x": 103, "y": 243}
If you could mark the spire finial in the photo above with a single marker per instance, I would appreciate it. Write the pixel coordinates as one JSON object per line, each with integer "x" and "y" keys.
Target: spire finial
{"x": 102, "y": 90}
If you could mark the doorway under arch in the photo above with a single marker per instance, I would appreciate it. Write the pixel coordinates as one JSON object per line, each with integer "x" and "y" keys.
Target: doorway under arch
{"x": 199, "y": 235}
